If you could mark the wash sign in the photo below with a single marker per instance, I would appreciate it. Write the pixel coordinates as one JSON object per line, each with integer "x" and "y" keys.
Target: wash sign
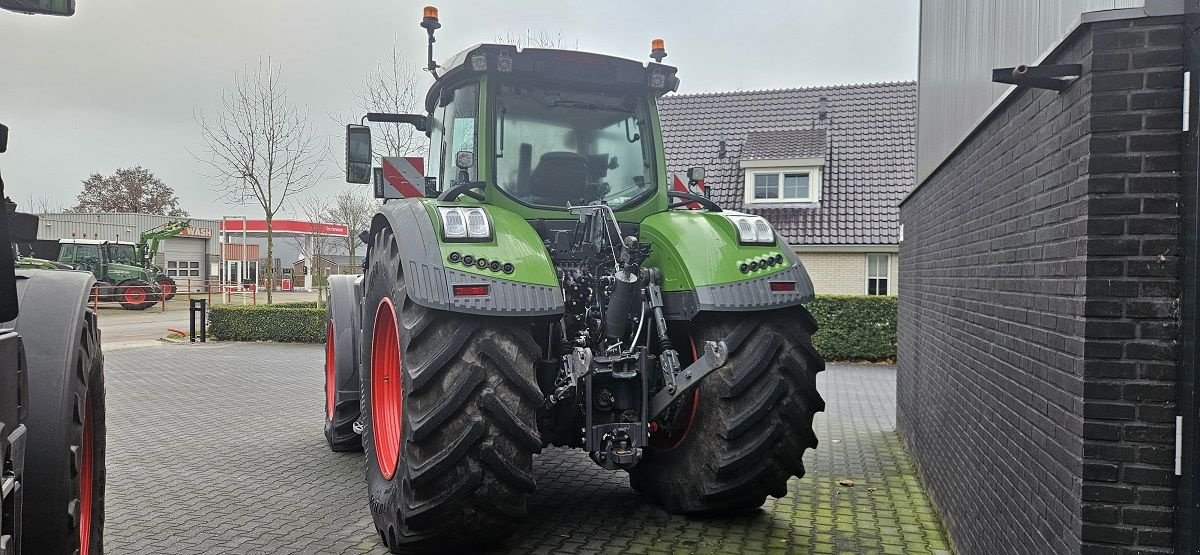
{"x": 403, "y": 177}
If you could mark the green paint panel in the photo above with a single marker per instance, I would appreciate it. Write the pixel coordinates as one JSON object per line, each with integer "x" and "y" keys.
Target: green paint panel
{"x": 695, "y": 248}
{"x": 514, "y": 241}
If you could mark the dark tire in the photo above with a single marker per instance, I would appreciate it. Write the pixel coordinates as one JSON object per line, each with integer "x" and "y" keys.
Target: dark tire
{"x": 135, "y": 295}
{"x": 166, "y": 286}
{"x": 342, "y": 389}
{"x": 467, "y": 419}
{"x": 752, "y": 419}
{"x": 64, "y": 463}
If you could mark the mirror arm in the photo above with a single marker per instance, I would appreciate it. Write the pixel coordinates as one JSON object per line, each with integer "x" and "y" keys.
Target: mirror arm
{"x": 416, "y": 120}
{"x": 693, "y": 198}
{"x": 463, "y": 189}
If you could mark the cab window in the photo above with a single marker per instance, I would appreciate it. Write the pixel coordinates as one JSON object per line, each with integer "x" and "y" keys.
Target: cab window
{"x": 453, "y": 130}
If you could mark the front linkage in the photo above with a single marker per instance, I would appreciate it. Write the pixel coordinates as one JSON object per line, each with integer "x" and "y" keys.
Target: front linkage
{"x": 620, "y": 382}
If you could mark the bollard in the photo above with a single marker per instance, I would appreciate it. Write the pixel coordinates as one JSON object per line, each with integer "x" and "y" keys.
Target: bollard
{"x": 197, "y": 306}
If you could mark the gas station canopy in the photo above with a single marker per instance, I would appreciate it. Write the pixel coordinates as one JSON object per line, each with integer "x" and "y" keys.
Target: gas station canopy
{"x": 284, "y": 227}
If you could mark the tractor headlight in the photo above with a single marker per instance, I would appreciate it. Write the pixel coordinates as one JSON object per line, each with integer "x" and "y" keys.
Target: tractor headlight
{"x": 465, "y": 223}
{"x": 752, "y": 230}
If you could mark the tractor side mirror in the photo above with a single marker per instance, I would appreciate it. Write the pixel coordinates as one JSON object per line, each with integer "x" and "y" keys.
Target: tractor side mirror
{"x": 358, "y": 154}
{"x": 51, "y": 7}
{"x": 3, "y": 137}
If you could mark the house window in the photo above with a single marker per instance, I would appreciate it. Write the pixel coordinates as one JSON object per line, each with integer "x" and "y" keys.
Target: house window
{"x": 792, "y": 185}
{"x": 877, "y": 274}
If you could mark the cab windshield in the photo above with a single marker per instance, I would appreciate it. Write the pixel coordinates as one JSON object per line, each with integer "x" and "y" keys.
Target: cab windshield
{"x": 122, "y": 254}
{"x": 561, "y": 147}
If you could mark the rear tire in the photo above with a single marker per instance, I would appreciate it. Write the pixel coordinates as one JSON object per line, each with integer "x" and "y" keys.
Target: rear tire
{"x": 64, "y": 464}
{"x": 466, "y": 430}
{"x": 342, "y": 389}
{"x": 753, "y": 420}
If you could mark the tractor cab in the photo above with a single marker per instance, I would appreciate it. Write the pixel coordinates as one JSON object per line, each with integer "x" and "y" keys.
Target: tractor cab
{"x": 535, "y": 131}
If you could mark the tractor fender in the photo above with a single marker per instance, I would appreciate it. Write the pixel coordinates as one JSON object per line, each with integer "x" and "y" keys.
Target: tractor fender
{"x": 344, "y": 322}
{"x": 430, "y": 282}
{"x": 701, "y": 261}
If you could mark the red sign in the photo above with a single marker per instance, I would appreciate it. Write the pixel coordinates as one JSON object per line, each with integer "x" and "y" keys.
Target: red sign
{"x": 286, "y": 226}
{"x": 677, "y": 184}
{"x": 403, "y": 177}
{"x": 196, "y": 232}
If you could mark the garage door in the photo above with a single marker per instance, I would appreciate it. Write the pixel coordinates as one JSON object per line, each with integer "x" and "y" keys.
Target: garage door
{"x": 184, "y": 258}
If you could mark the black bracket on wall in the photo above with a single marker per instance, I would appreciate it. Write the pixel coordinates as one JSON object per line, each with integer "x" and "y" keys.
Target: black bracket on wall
{"x": 1053, "y": 77}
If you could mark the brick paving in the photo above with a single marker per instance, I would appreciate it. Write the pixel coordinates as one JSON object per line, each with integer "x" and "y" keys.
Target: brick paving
{"x": 218, "y": 449}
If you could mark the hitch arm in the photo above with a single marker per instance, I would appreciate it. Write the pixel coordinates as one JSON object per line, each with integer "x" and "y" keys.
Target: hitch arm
{"x": 714, "y": 357}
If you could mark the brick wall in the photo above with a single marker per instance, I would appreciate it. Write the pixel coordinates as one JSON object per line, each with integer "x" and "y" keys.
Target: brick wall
{"x": 843, "y": 273}
{"x": 1037, "y": 316}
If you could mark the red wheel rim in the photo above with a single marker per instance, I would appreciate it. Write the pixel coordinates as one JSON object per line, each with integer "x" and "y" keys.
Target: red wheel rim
{"x": 135, "y": 295}
{"x": 387, "y": 389}
{"x": 668, "y": 438}
{"x": 85, "y": 480}
{"x": 330, "y": 373}
{"x": 167, "y": 288}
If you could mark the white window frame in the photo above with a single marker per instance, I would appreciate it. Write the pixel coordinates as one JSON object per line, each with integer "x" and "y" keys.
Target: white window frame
{"x": 811, "y": 166}
{"x": 887, "y": 259}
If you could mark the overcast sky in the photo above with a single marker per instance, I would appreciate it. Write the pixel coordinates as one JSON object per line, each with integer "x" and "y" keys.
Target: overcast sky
{"x": 117, "y": 84}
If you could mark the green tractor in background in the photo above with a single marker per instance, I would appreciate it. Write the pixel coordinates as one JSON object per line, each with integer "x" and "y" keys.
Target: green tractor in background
{"x": 544, "y": 286}
{"x": 118, "y": 277}
{"x": 125, "y": 255}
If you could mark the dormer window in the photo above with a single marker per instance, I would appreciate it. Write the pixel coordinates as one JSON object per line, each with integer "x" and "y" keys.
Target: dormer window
{"x": 784, "y": 167}
{"x": 784, "y": 185}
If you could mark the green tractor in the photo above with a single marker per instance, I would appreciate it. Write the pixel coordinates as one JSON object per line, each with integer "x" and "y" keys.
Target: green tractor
{"x": 544, "y": 286}
{"x": 119, "y": 277}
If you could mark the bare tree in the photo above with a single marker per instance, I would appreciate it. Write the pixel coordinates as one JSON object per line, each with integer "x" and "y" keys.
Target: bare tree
{"x": 534, "y": 39}
{"x": 260, "y": 147}
{"x": 394, "y": 88}
{"x": 134, "y": 190}
{"x": 43, "y": 204}
{"x": 353, "y": 209}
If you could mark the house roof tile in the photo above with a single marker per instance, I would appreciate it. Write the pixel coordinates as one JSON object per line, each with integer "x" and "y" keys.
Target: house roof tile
{"x": 868, "y": 140}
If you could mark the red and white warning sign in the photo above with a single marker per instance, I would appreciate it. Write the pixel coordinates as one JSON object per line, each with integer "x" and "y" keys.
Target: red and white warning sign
{"x": 679, "y": 184}
{"x": 403, "y": 177}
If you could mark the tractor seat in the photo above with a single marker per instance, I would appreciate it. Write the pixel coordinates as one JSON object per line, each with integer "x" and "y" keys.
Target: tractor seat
{"x": 559, "y": 178}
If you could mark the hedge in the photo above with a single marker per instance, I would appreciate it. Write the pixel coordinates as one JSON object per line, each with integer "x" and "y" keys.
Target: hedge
{"x": 267, "y": 323}
{"x": 296, "y": 304}
{"x": 855, "y": 327}
{"x": 851, "y": 327}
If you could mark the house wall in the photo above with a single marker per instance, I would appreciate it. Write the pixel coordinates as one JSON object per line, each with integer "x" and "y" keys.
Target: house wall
{"x": 1038, "y": 282}
{"x": 843, "y": 273}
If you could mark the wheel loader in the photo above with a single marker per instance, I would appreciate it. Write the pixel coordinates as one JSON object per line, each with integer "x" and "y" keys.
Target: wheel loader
{"x": 540, "y": 284}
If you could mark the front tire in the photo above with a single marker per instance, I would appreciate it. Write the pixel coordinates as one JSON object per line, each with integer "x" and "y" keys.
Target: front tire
{"x": 749, "y": 424}
{"x": 167, "y": 286}
{"x": 64, "y": 463}
{"x": 134, "y": 295}
{"x": 449, "y": 408}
